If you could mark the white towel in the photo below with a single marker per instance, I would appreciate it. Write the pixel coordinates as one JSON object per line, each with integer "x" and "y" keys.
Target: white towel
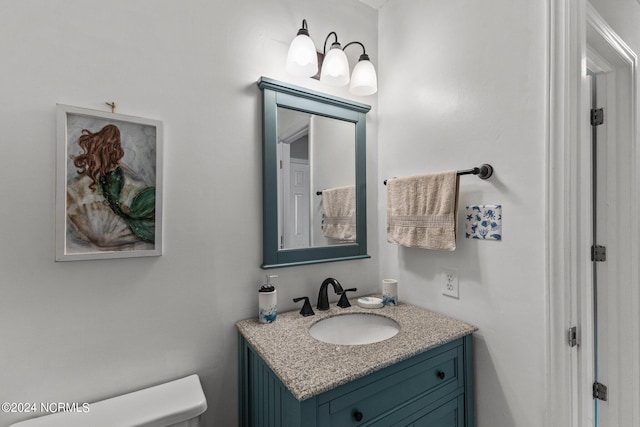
{"x": 422, "y": 211}
{"x": 339, "y": 205}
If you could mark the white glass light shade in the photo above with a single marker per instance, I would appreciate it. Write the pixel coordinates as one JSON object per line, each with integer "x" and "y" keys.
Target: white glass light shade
{"x": 363, "y": 79}
{"x": 302, "y": 59}
{"x": 335, "y": 68}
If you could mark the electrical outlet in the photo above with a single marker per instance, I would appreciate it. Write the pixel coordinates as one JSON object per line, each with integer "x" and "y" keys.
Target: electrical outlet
{"x": 450, "y": 283}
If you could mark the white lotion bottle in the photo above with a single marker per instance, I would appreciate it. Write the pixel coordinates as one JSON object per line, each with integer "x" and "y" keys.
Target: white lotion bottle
{"x": 267, "y": 301}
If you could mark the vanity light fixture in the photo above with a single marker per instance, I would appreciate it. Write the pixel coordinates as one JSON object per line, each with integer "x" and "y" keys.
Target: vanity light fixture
{"x": 302, "y": 61}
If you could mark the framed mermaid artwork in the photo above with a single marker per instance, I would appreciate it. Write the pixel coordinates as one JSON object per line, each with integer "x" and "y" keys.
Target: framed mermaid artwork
{"x": 108, "y": 185}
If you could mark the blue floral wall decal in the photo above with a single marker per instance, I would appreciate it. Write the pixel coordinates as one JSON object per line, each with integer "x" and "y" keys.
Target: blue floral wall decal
{"x": 483, "y": 222}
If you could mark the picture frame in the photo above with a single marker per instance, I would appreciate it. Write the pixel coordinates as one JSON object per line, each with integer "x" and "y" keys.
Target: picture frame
{"x": 108, "y": 185}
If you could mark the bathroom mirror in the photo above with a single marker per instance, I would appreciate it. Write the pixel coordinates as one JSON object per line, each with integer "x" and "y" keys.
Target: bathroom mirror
{"x": 314, "y": 173}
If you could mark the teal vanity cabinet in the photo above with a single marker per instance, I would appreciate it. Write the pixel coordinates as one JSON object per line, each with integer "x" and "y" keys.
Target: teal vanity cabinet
{"x": 433, "y": 388}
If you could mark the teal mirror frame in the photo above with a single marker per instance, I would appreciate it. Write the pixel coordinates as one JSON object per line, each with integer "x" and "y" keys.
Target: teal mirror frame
{"x": 278, "y": 94}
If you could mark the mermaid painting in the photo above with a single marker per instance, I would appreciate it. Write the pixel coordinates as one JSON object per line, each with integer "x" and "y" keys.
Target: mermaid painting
{"x": 109, "y": 206}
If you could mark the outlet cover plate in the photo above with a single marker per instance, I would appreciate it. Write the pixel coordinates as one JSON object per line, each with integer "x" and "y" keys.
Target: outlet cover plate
{"x": 450, "y": 283}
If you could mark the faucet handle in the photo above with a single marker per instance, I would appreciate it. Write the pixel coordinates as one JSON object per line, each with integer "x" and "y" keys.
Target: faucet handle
{"x": 306, "y": 307}
{"x": 344, "y": 302}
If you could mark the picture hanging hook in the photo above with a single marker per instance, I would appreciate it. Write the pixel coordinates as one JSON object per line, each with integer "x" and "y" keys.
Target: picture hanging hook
{"x": 112, "y": 105}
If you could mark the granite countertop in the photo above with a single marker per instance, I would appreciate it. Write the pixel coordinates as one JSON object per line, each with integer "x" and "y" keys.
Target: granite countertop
{"x": 308, "y": 367}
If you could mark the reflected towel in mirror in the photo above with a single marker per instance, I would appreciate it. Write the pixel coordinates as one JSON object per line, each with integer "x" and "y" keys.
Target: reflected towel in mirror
{"x": 339, "y": 207}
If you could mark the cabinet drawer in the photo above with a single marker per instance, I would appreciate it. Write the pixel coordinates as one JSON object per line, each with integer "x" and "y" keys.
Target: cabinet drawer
{"x": 447, "y": 415}
{"x": 450, "y": 414}
{"x": 435, "y": 377}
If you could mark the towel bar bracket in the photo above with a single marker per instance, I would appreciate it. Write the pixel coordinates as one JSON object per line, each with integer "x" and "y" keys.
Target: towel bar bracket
{"x": 484, "y": 172}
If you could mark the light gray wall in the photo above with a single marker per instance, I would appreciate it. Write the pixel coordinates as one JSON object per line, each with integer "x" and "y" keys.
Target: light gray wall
{"x": 464, "y": 83}
{"x": 83, "y": 331}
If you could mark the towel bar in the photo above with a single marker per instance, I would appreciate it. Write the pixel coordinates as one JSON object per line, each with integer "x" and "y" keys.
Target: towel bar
{"x": 484, "y": 172}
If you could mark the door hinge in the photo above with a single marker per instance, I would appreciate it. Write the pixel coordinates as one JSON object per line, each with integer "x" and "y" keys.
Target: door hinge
{"x": 574, "y": 339}
{"x": 599, "y": 391}
{"x": 597, "y": 116}
{"x": 598, "y": 253}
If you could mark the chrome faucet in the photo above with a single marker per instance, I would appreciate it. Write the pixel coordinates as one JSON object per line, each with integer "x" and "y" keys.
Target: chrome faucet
{"x": 323, "y": 298}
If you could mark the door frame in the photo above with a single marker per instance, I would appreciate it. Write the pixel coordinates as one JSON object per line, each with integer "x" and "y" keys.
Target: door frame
{"x": 576, "y": 31}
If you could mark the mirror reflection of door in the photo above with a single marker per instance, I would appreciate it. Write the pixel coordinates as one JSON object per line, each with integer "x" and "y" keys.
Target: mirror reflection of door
{"x": 294, "y": 193}
{"x": 315, "y": 153}
{"x": 295, "y": 190}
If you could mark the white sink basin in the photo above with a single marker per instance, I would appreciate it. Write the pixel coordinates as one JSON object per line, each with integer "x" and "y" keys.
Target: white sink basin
{"x": 354, "y": 328}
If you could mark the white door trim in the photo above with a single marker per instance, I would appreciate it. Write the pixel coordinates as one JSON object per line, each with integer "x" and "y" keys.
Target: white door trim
{"x": 566, "y": 30}
{"x": 575, "y": 26}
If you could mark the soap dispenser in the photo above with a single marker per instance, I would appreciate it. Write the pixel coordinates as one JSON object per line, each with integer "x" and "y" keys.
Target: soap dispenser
{"x": 267, "y": 301}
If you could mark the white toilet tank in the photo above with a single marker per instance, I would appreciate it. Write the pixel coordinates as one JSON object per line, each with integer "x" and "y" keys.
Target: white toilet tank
{"x": 177, "y": 403}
